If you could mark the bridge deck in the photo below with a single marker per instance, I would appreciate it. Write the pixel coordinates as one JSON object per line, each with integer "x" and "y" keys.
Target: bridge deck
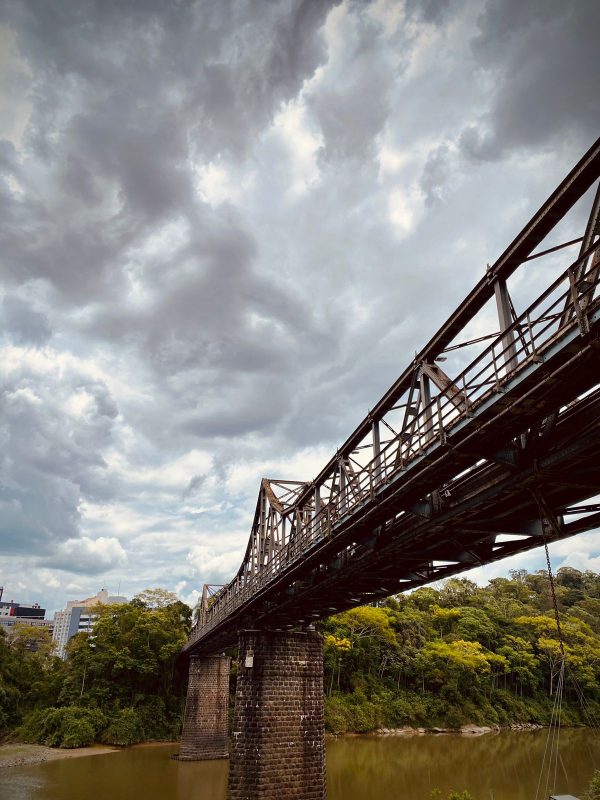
{"x": 475, "y": 467}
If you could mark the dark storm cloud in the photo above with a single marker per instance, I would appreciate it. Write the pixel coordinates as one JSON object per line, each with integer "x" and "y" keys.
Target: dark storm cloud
{"x": 542, "y": 57}
{"x": 24, "y": 324}
{"x": 436, "y": 174}
{"x": 122, "y": 95}
{"x": 436, "y": 11}
{"x": 51, "y": 455}
{"x": 226, "y": 229}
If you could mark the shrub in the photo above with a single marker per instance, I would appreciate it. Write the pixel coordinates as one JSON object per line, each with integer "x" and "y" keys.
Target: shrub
{"x": 593, "y": 792}
{"x": 125, "y": 728}
{"x": 158, "y": 720}
{"x": 67, "y": 727}
{"x": 31, "y": 727}
{"x": 405, "y": 708}
{"x": 77, "y": 732}
{"x": 337, "y": 716}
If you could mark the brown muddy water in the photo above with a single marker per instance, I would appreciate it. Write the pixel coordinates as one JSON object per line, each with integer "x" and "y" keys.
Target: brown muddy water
{"x": 502, "y": 766}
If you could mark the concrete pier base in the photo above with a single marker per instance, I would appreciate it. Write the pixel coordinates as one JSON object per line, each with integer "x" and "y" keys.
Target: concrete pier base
{"x": 278, "y": 743}
{"x": 204, "y": 734}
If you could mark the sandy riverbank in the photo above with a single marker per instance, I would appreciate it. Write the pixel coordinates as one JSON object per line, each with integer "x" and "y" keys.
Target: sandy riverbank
{"x": 20, "y": 755}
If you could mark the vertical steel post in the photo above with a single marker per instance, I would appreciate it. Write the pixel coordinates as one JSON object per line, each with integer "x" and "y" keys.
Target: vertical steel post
{"x": 376, "y": 450}
{"x": 271, "y": 534}
{"x": 343, "y": 489}
{"x": 316, "y": 511}
{"x": 283, "y": 521}
{"x": 425, "y": 391}
{"x": 505, "y": 319}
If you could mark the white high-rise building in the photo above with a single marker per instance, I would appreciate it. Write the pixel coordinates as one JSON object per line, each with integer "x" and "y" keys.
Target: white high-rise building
{"x": 79, "y": 616}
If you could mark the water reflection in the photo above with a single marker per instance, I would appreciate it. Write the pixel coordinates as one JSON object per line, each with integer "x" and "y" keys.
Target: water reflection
{"x": 493, "y": 767}
{"x": 505, "y": 766}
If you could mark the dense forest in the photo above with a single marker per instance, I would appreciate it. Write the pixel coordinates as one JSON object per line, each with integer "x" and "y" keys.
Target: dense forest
{"x": 122, "y": 683}
{"x": 466, "y": 654}
{"x": 441, "y": 657}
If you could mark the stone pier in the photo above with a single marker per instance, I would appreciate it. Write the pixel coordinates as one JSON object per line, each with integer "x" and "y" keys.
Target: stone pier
{"x": 204, "y": 734}
{"x": 278, "y": 743}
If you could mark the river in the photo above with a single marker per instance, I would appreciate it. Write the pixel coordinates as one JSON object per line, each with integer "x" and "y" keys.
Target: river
{"x": 503, "y": 766}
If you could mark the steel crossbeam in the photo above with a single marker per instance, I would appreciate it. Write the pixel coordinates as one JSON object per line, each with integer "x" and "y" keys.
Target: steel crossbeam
{"x": 419, "y": 490}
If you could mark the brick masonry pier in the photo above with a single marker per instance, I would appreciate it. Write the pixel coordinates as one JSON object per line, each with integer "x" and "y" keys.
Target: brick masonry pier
{"x": 204, "y": 734}
{"x": 278, "y": 742}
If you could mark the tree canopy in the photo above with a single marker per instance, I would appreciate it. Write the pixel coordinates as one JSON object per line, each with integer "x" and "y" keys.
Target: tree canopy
{"x": 461, "y": 653}
{"x": 122, "y": 681}
{"x": 447, "y": 655}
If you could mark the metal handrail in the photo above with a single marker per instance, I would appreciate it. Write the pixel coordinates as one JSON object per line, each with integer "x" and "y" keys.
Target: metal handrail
{"x": 540, "y": 327}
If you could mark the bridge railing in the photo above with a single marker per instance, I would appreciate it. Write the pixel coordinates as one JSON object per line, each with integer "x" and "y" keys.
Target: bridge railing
{"x": 563, "y": 308}
{"x": 564, "y": 305}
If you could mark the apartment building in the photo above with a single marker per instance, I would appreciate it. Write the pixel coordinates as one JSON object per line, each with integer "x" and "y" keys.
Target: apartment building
{"x": 78, "y": 616}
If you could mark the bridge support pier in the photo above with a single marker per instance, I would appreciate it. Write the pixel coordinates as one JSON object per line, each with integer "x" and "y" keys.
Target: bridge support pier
{"x": 204, "y": 734}
{"x": 278, "y": 745}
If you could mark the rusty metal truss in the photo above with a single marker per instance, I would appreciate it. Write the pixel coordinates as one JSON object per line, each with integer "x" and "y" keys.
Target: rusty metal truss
{"x": 452, "y": 466}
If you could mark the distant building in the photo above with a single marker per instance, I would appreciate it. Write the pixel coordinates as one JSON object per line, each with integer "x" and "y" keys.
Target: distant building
{"x": 79, "y": 616}
{"x": 12, "y": 609}
{"x": 30, "y": 614}
{"x": 9, "y": 625}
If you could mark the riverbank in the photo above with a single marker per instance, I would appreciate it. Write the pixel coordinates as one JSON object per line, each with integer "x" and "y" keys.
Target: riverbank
{"x": 20, "y": 755}
{"x": 465, "y": 730}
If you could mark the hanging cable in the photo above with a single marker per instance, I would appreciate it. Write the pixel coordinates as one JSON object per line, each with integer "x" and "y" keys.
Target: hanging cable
{"x": 551, "y": 743}
{"x": 553, "y": 738}
{"x": 547, "y": 514}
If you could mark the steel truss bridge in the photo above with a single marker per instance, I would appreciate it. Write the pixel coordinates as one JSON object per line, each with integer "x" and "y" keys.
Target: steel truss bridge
{"x": 455, "y": 467}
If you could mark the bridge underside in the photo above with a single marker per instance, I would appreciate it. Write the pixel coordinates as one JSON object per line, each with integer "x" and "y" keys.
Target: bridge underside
{"x": 493, "y": 513}
{"x": 495, "y": 460}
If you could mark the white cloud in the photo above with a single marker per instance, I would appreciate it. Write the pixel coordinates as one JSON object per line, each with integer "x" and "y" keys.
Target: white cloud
{"x": 404, "y": 209}
{"x": 214, "y": 260}
{"x": 212, "y": 566}
{"x": 88, "y": 556}
{"x": 291, "y": 125}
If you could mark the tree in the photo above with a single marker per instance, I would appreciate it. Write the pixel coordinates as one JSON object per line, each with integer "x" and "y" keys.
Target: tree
{"x": 521, "y": 663}
{"x": 458, "y": 592}
{"x": 156, "y": 598}
{"x": 458, "y": 664}
{"x": 475, "y": 625}
{"x": 33, "y": 639}
{"x": 444, "y": 617}
{"x": 131, "y": 660}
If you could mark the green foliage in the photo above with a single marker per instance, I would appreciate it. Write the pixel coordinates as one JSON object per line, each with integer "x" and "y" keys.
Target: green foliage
{"x": 593, "y": 791}
{"x": 155, "y": 598}
{"x": 30, "y": 675}
{"x": 464, "y": 654}
{"x": 122, "y": 683}
{"x": 69, "y": 726}
{"x": 125, "y": 728}
{"x": 437, "y": 657}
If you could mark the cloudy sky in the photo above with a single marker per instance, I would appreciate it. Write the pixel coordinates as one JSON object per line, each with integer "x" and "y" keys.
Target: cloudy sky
{"x": 225, "y": 228}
